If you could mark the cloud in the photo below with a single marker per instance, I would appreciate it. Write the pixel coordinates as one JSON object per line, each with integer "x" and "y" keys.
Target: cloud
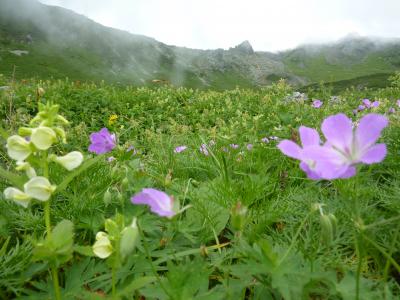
{"x": 268, "y": 25}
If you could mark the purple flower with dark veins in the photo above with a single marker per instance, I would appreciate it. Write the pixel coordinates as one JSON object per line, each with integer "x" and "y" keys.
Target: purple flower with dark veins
{"x": 159, "y": 202}
{"x": 317, "y": 103}
{"x": 346, "y": 147}
{"x": 102, "y": 141}
{"x": 308, "y": 137}
{"x": 180, "y": 149}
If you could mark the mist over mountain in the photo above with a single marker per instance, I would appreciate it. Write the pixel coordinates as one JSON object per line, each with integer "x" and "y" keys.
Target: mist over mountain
{"x": 38, "y": 40}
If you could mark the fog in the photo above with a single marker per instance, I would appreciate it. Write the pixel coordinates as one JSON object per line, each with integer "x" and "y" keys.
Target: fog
{"x": 268, "y": 25}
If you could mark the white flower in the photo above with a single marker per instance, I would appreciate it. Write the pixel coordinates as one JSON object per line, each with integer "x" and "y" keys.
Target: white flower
{"x": 70, "y": 161}
{"x": 18, "y": 196}
{"x": 25, "y": 166}
{"x": 102, "y": 247}
{"x": 39, "y": 188}
{"x": 18, "y": 148}
{"x": 43, "y": 137}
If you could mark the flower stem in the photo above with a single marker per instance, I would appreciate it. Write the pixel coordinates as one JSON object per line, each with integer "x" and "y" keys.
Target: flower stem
{"x": 47, "y": 218}
{"x": 113, "y": 274}
{"x": 55, "y": 283}
{"x": 294, "y": 239}
{"x": 146, "y": 249}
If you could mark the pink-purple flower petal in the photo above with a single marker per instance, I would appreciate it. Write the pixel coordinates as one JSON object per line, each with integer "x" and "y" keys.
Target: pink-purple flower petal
{"x": 369, "y": 130}
{"x": 374, "y": 154}
{"x": 160, "y": 203}
{"x": 338, "y": 131}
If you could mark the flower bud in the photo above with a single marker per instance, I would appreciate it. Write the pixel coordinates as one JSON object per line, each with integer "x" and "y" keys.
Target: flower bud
{"x": 238, "y": 216}
{"x": 43, "y": 137}
{"x": 107, "y": 198}
{"x": 18, "y": 196}
{"x": 61, "y": 133}
{"x": 39, "y": 188}
{"x": 125, "y": 184}
{"x": 129, "y": 238}
{"x": 25, "y": 131}
{"x": 25, "y": 166}
{"x": 326, "y": 229}
{"x": 18, "y": 148}
{"x": 62, "y": 119}
{"x": 102, "y": 247}
{"x": 70, "y": 161}
{"x": 334, "y": 223}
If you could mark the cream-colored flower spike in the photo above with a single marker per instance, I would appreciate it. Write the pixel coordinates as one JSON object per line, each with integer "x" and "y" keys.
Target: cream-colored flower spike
{"x": 39, "y": 188}
{"x": 43, "y": 137}
{"x": 70, "y": 161}
{"x": 25, "y": 166}
{"x": 18, "y": 196}
{"x": 18, "y": 148}
{"x": 102, "y": 247}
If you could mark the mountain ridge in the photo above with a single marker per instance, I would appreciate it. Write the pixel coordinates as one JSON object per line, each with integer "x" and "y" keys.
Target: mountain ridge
{"x": 59, "y": 43}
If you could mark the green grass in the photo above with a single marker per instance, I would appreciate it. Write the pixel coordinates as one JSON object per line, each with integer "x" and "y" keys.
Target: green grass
{"x": 279, "y": 252}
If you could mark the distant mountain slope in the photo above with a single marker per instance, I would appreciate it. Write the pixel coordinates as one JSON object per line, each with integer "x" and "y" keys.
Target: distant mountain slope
{"x": 43, "y": 41}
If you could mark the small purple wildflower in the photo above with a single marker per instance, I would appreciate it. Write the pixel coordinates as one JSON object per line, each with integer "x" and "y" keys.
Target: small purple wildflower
{"x": 367, "y": 103}
{"x": 180, "y": 149}
{"x": 203, "y": 149}
{"x": 361, "y": 107}
{"x": 160, "y": 203}
{"x": 249, "y": 147}
{"x": 274, "y": 138}
{"x": 111, "y": 159}
{"x": 375, "y": 104}
{"x": 317, "y": 103}
{"x": 102, "y": 141}
{"x": 234, "y": 146}
{"x": 392, "y": 110}
{"x": 355, "y": 111}
{"x": 265, "y": 140}
{"x": 225, "y": 149}
{"x": 398, "y": 103}
{"x": 131, "y": 148}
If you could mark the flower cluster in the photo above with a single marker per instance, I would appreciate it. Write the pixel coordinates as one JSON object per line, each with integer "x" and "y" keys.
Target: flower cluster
{"x": 32, "y": 145}
{"x": 344, "y": 147}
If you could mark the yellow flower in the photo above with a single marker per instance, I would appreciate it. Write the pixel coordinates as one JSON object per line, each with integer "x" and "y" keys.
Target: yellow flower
{"x": 43, "y": 137}
{"x": 102, "y": 247}
{"x": 18, "y": 148}
{"x": 39, "y": 188}
{"x": 112, "y": 119}
{"x": 18, "y": 196}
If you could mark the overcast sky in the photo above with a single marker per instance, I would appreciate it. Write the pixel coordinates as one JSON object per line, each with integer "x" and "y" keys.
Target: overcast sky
{"x": 269, "y": 25}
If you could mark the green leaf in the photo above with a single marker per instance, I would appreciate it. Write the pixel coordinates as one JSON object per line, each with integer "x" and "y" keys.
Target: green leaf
{"x": 86, "y": 165}
{"x": 11, "y": 177}
{"x": 84, "y": 250}
{"x": 136, "y": 284}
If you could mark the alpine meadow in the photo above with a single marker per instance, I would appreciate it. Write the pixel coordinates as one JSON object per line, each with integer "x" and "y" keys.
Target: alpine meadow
{"x": 133, "y": 169}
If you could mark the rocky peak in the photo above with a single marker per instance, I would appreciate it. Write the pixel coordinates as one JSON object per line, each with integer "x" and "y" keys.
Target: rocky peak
{"x": 244, "y": 47}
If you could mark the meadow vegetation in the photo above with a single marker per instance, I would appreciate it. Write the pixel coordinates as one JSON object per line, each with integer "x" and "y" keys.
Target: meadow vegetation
{"x": 247, "y": 222}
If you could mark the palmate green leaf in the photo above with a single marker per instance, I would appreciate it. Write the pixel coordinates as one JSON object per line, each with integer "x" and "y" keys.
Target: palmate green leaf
{"x": 136, "y": 284}
{"x": 57, "y": 248}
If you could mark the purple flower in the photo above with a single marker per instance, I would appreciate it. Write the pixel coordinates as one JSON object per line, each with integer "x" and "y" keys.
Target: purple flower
{"x": 346, "y": 147}
{"x": 203, "y": 149}
{"x": 234, "y": 146}
{"x": 398, "y": 102}
{"x": 317, "y": 103}
{"x": 367, "y": 103}
{"x": 110, "y": 159}
{"x": 355, "y": 111}
{"x": 180, "y": 149}
{"x": 102, "y": 141}
{"x": 131, "y": 148}
{"x": 225, "y": 149}
{"x": 160, "y": 203}
{"x": 265, "y": 140}
{"x": 249, "y": 147}
{"x": 274, "y": 138}
{"x": 375, "y": 104}
{"x": 308, "y": 137}
{"x": 361, "y": 107}
{"x": 391, "y": 110}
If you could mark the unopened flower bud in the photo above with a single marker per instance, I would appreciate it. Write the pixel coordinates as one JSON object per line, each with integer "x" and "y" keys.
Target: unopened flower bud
{"x": 125, "y": 184}
{"x": 326, "y": 229}
{"x": 62, "y": 119}
{"x": 25, "y": 131}
{"x": 43, "y": 137}
{"x": 17, "y": 196}
{"x": 69, "y": 161}
{"x": 61, "y": 133}
{"x": 203, "y": 251}
{"x": 39, "y": 188}
{"x": 25, "y": 166}
{"x": 18, "y": 148}
{"x": 129, "y": 238}
{"x": 238, "y": 216}
{"x": 102, "y": 247}
{"x": 334, "y": 223}
{"x": 107, "y": 197}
